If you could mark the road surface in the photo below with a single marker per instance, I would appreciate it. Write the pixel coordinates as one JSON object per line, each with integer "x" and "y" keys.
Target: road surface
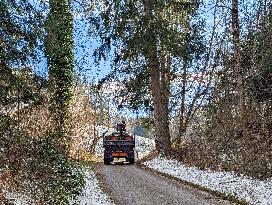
{"x": 131, "y": 185}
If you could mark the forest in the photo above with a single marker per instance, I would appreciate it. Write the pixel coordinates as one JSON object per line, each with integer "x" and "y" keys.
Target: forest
{"x": 195, "y": 75}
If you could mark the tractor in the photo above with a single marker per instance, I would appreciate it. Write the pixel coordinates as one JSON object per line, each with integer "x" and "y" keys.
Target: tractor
{"x": 119, "y": 144}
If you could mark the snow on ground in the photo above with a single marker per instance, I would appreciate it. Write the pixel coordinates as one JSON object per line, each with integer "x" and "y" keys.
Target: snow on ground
{"x": 16, "y": 198}
{"x": 92, "y": 193}
{"x": 143, "y": 146}
{"x": 244, "y": 188}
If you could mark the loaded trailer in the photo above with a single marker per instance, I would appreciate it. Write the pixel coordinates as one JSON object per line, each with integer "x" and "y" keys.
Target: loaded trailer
{"x": 119, "y": 144}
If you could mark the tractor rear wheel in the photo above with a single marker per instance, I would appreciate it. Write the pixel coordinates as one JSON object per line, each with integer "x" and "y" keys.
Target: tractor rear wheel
{"x": 106, "y": 161}
{"x": 131, "y": 160}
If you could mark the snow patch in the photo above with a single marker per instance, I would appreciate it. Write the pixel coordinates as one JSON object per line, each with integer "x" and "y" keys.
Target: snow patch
{"x": 17, "y": 198}
{"x": 253, "y": 191}
{"x": 144, "y": 146}
{"x": 92, "y": 194}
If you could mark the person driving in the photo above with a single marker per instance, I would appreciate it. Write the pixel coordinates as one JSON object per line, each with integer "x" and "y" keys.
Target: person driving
{"x": 121, "y": 126}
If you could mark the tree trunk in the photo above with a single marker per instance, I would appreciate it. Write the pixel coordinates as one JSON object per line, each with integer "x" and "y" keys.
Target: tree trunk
{"x": 182, "y": 114}
{"x": 158, "y": 89}
{"x": 236, "y": 60}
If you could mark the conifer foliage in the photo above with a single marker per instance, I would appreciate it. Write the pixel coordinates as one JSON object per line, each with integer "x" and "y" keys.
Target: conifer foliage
{"x": 147, "y": 36}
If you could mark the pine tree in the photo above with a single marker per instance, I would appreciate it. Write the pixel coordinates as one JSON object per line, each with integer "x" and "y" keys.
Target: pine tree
{"x": 147, "y": 36}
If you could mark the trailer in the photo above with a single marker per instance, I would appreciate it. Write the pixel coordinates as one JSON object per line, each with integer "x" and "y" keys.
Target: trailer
{"x": 119, "y": 144}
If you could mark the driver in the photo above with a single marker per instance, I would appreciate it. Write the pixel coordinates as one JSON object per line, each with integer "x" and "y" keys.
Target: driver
{"x": 121, "y": 126}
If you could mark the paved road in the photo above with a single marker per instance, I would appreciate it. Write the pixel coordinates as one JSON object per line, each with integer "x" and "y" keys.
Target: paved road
{"x": 131, "y": 185}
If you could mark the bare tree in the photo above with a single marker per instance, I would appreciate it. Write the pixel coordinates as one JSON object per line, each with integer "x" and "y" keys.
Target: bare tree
{"x": 237, "y": 60}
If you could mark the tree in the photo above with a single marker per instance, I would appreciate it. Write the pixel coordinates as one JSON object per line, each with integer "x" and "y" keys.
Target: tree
{"x": 20, "y": 31}
{"x": 146, "y": 39}
{"x": 244, "y": 65}
{"x": 257, "y": 60}
{"x": 19, "y": 37}
{"x": 60, "y": 57}
{"x": 159, "y": 84}
{"x": 237, "y": 60}
{"x": 66, "y": 181}
{"x": 195, "y": 75}
{"x": 29, "y": 153}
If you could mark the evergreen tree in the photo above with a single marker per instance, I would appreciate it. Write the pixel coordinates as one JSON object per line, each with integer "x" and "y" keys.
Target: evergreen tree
{"x": 60, "y": 57}
{"x": 147, "y": 36}
{"x": 20, "y": 30}
{"x": 258, "y": 64}
{"x": 66, "y": 181}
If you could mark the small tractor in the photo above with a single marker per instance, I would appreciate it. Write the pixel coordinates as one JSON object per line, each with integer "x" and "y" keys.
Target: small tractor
{"x": 119, "y": 144}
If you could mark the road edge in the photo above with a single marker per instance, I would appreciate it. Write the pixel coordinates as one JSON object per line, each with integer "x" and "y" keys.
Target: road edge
{"x": 221, "y": 195}
{"x": 102, "y": 184}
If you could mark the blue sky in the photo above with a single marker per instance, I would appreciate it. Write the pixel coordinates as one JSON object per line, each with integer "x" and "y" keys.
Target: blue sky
{"x": 85, "y": 44}
{"x": 84, "y": 48}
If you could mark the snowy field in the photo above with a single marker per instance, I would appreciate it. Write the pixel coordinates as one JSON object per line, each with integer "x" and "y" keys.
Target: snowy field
{"x": 244, "y": 188}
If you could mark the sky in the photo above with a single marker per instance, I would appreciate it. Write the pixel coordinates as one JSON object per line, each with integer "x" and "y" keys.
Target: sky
{"x": 85, "y": 44}
{"x": 84, "y": 48}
